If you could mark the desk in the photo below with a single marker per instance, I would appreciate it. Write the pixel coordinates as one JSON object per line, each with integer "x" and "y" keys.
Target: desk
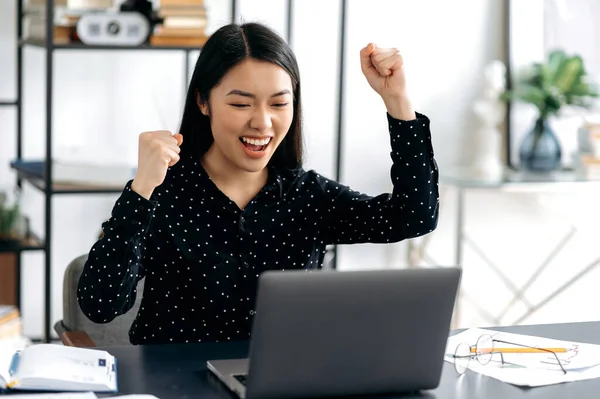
{"x": 463, "y": 180}
{"x": 179, "y": 371}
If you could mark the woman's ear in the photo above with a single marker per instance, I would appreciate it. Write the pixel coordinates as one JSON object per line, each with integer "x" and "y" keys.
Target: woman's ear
{"x": 203, "y": 106}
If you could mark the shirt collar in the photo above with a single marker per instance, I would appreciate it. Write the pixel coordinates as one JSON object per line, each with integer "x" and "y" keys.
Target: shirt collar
{"x": 275, "y": 180}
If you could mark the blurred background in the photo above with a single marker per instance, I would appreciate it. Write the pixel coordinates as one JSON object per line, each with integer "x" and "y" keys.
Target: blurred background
{"x": 509, "y": 86}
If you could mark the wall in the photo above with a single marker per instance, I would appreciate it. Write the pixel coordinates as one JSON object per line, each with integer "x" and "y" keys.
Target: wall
{"x": 445, "y": 53}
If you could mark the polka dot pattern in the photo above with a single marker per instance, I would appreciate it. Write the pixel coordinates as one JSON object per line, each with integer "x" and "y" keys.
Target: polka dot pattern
{"x": 201, "y": 255}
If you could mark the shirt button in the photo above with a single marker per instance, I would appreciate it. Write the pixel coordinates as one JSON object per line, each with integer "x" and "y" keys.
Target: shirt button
{"x": 242, "y": 219}
{"x": 246, "y": 264}
{"x": 252, "y": 313}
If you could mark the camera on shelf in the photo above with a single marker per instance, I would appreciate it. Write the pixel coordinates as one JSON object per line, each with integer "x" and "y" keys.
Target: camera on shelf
{"x": 116, "y": 29}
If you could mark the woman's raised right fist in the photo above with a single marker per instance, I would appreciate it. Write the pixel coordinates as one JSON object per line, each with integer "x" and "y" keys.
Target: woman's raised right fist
{"x": 157, "y": 151}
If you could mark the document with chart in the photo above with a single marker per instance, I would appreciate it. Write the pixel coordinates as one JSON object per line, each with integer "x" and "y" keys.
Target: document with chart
{"x": 522, "y": 360}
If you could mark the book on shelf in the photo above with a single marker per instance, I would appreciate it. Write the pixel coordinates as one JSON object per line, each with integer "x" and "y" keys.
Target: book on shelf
{"x": 181, "y": 3}
{"x": 66, "y": 16}
{"x": 57, "y": 3}
{"x": 11, "y": 324}
{"x": 193, "y": 32}
{"x": 75, "y": 4}
{"x": 89, "y": 4}
{"x": 590, "y": 166}
{"x": 184, "y": 23}
{"x": 182, "y": 12}
{"x": 178, "y": 41}
{"x": 34, "y": 23}
{"x": 58, "y": 368}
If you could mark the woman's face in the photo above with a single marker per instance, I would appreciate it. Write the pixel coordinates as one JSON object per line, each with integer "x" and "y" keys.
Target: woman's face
{"x": 251, "y": 111}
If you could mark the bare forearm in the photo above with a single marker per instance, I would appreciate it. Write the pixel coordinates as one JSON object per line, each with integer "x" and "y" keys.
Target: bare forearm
{"x": 400, "y": 107}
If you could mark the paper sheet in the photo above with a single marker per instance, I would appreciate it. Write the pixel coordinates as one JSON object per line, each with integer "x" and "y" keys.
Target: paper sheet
{"x": 581, "y": 361}
{"x": 78, "y": 395}
{"x": 86, "y": 395}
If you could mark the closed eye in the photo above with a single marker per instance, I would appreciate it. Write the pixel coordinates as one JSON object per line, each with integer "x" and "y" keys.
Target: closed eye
{"x": 279, "y": 105}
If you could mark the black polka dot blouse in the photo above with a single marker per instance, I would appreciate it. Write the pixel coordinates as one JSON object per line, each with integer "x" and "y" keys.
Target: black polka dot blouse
{"x": 200, "y": 255}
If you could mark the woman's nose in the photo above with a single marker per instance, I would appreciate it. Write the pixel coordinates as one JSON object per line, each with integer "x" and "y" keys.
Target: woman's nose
{"x": 261, "y": 119}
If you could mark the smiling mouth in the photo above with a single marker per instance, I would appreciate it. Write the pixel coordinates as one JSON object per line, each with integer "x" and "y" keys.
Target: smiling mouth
{"x": 256, "y": 145}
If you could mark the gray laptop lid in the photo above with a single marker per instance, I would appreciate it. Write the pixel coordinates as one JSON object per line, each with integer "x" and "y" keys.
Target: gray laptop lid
{"x": 338, "y": 333}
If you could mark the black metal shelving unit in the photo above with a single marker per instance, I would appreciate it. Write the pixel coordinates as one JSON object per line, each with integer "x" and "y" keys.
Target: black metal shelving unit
{"x": 49, "y": 190}
{"x": 44, "y": 185}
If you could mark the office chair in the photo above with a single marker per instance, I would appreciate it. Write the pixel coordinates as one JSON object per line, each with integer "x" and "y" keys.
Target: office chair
{"x": 75, "y": 329}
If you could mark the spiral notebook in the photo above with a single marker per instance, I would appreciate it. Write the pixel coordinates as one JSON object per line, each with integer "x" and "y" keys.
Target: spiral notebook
{"x": 58, "y": 368}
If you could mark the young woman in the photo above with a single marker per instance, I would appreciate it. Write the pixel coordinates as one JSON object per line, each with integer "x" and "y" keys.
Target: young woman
{"x": 213, "y": 206}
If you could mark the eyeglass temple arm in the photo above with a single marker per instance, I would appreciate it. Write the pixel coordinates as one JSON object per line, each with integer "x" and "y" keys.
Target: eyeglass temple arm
{"x": 533, "y": 347}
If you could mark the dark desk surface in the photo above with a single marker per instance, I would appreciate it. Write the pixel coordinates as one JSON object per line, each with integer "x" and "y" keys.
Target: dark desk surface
{"x": 179, "y": 371}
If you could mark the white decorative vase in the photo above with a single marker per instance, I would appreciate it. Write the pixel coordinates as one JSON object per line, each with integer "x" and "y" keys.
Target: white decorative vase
{"x": 488, "y": 156}
{"x": 487, "y": 143}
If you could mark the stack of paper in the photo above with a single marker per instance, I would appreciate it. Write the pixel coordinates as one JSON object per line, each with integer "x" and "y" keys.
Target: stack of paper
{"x": 580, "y": 360}
{"x": 84, "y": 395}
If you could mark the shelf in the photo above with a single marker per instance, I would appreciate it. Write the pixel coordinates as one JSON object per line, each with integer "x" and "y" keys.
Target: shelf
{"x": 66, "y": 188}
{"x": 31, "y": 243}
{"x": 81, "y": 46}
{"x": 8, "y": 103}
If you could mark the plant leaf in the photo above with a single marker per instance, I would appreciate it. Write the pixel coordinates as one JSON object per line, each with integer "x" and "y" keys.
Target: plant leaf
{"x": 530, "y": 94}
{"x": 552, "y": 104}
{"x": 569, "y": 75}
{"x": 556, "y": 59}
{"x": 559, "y": 81}
{"x": 582, "y": 88}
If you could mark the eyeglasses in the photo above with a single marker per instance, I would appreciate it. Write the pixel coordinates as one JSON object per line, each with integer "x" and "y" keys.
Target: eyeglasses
{"x": 485, "y": 349}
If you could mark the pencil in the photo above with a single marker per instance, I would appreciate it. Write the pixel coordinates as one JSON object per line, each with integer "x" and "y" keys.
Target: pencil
{"x": 522, "y": 350}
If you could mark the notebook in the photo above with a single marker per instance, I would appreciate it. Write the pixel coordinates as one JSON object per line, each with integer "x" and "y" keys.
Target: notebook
{"x": 51, "y": 367}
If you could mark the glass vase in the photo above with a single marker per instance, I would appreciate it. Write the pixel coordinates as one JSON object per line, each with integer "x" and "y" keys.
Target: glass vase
{"x": 540, "y": 149}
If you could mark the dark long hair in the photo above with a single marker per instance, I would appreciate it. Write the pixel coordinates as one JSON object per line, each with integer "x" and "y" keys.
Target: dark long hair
{"x": 226, "y": 48}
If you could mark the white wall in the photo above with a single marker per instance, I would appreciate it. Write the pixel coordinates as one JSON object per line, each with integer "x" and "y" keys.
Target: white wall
{"x": 106, "y": 99}
{"x": 443, "y": 71}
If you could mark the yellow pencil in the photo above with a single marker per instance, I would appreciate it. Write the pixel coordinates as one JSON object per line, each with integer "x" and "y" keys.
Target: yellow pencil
{"x": 522, "y": 350}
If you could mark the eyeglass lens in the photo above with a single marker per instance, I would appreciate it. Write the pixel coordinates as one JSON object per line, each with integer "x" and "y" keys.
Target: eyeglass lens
{"x": 484, "y": 349}
{"x": 462, "y": 356}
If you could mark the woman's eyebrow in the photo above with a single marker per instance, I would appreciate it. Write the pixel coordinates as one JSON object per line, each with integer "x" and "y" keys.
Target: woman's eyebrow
{"x": 246, "y": 94}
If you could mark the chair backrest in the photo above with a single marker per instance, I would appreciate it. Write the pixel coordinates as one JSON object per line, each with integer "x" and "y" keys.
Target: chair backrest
{"x": 109, "y": 334}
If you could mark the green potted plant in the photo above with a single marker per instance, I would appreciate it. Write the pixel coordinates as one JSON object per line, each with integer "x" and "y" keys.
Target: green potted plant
{"x": 9, "y": 218}
{"x": 561, "y": 80}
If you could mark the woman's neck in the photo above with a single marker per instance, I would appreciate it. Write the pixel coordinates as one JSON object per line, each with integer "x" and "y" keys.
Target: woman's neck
{"x": 225, "y": 173}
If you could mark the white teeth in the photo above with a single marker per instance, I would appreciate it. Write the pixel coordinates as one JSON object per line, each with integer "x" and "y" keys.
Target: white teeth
{"x": 256, "y": 142}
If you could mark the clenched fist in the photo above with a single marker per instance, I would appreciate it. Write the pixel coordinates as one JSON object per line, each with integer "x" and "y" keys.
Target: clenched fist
{"x": 157, "y": 151}
{"x": 384, "y": 70}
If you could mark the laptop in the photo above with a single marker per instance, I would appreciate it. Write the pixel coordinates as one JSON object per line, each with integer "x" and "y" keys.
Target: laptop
{"x": 339, "y": 333}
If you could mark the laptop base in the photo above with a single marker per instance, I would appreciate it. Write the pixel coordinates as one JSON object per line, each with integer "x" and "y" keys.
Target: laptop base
{"x": 232, "y": 373}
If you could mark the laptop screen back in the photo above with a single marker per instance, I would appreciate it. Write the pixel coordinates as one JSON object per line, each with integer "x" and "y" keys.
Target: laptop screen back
{"x": 339, "y": 333}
